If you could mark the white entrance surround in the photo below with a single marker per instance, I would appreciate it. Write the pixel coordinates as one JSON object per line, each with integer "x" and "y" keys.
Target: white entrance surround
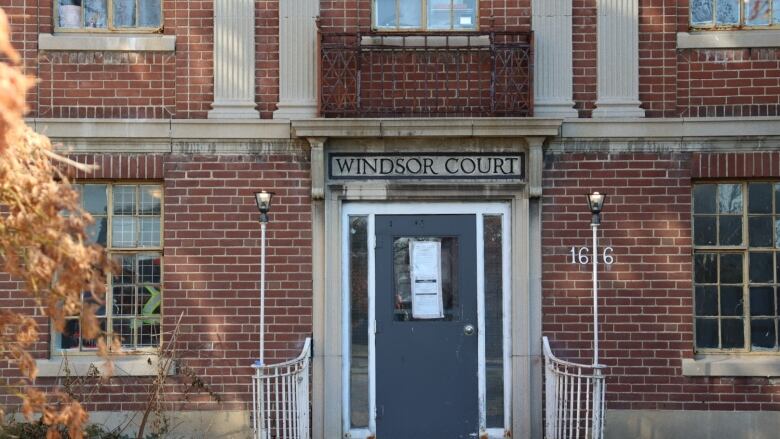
{"x": 234, "y": 60}
{"x": 397, "y": 208}
{"x": 425, "y": 136}
{"x": 618, "y": 59}
{"x": 552, "y": 25}
{"x": 297, "y": 59}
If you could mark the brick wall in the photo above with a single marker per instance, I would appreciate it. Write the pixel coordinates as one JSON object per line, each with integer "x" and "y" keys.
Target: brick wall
{"x": 646, "y": 295}
{"x": 716, "y": 83}
{"x": 584, "y": 55}
{"x": 139, "y": 84}
{"x": 211, "y": 267}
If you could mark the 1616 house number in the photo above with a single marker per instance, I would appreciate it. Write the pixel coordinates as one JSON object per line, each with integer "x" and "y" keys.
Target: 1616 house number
{"x": 581, "y": 255}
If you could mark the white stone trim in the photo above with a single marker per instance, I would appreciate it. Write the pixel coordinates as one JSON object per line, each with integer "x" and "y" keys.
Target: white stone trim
{"x": 426, "y": 41}
{"x": 298, "y": 59}
{"x": 618, "y": 59}
{"x": 671, "y": 128}
{"x": 732, "y": 365}
{"x": 552, "y": 26}
{"x": 432, "y": 127}
{"x": 234, "y": 60}
{"x": 692, "y": 424}
{"x": 129, "y": 365}
{"x": 736, "y": 39}
{"x": 107, "y": 43}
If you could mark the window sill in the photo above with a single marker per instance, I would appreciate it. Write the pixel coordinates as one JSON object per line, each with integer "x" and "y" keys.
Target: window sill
{"x": 130, "y": 365}
{"x": 728, "y": 39}
{"x": 107, "y": 43}
{"x": 421, "y": 40}
{"x": 732, "y": 366}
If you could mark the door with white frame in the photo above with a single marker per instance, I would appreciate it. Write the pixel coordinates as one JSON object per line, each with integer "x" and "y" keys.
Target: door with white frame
{"x": 426, "y": 303}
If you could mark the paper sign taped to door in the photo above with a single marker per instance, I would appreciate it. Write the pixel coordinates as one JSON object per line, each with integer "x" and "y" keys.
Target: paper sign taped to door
{"x": 425, "y": 262}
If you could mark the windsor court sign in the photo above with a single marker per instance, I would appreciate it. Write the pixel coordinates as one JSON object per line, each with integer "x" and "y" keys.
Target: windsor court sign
{"x": 426, "y": 166}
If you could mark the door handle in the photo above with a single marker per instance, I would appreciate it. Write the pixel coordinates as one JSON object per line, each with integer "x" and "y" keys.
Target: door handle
{"x": 468, "y": 330}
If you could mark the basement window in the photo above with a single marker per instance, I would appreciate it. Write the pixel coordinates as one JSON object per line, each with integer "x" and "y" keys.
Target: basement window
{"x": 735, "y": 13}
{"x": 108, "y": 15}
{"x": 429, "y": 15}
{"x": 736, "y": 267}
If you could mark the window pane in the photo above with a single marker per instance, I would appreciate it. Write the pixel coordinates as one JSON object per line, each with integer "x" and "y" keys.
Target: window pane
{"x": 402, "y": 272}
{"x": 92, "y": 344}
{"x": 731, "y": 268}
{"x": 707, "y": 333}
{"x": 732, "y": 333}
{"x": 730, "y": 230}
{"x": 69, "y": 12}
{"x": 124, "y": 300}
{"x": 760, "y": 198}
{"x": 705, "y": 268}
{"x": 777, "y": 185}
{"x": 96, "y": 13}
{"x": 704, "y": 230}
{"x": 728, "y": 12}
{"x": 701, "y": 12}
{"x": 706, "y": 301}
{"x": 756, "y": 12}
{"x": 704, "y": 198}
{"x": 150, "y": 232}
{"x": 149, "y": 13}
{"x": 150, "y": 200}
{"x": 411, "y": 13}
{"x": 761, "y": 301}
{"x": 94, "y": 198}
{"x": 148, "y": 269}
{"x": 777, "y": 231}
{"x": 760, "y": 231}
{"x": 89, "y": 299}
{"x": 97, "y": 233}
{"x": 494, "y": 321}
{"x": 761, "y": 267}
{"x": 730, "y": 197}
{"x": 148, "y": 332}
{"x": 124, "y": 200}
{"x": 69, "y": 339}
{"x": 465, "y": 17}
{"x": 440, "y": 14}
{"x": 776, "y": 12}
{"x": 123, "y": 232}
{"x": 124, "y": 13}
{"x": 126, "y": 274}
{"x": 762, "y": 333}
{"x": 384, "y": 13}
{"x": 124, "y": 331}
{"x": 358, "y": 293}
{"x": 731, "y": 301}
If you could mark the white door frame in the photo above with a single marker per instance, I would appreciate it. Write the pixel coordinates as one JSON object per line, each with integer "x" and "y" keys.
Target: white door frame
{"x": 371, "y": 209}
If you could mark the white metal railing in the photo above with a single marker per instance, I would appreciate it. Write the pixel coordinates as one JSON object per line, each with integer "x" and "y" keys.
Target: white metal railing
{"x": 574, "y": 398}
{"x": 280, "y": 398}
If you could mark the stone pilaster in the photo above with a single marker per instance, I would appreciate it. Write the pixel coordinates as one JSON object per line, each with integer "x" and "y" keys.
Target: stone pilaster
{"x": 234, "y": 60}
{"x": 552, "y": 26}
{"x": 618, "y": 59}
{"x": 297, "y": 59}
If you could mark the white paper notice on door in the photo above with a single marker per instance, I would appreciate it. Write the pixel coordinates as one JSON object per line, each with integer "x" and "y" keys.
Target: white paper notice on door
{"x": 425, "y": 261}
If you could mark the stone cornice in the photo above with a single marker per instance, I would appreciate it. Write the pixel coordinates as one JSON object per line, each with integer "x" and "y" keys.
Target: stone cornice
{"x": 429, "y": 127}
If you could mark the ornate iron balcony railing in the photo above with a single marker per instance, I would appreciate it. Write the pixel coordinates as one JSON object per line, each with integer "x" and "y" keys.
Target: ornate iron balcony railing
{"x": 426, "y": 74}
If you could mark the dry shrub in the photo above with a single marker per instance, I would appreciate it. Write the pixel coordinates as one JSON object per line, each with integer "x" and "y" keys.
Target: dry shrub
{"x": 40, "y": 247}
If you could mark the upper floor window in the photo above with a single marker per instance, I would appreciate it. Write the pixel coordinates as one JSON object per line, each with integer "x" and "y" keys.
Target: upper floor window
{"x": 430, "y": 15}
{"x": 735, "y": 13}
{"x": 736, "y": 265}
{"x": 127, "y": 223}
{"x": 108, "y": 15}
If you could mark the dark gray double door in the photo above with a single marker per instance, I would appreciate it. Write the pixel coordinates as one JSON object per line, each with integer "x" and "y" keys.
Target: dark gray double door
{"x": 426, "y": 363}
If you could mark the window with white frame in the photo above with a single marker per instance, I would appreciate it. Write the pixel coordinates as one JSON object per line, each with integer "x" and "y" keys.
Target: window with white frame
{"x": 735, "y": 13}
{"x": 432, "y": 15}
{"x": 108, "y": 15}
{"x": 736, "y": 266}
{"x": 128, "y": 224}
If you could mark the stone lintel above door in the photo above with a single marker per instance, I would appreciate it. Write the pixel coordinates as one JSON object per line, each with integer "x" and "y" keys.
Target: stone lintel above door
{"x": 429, "y": 135}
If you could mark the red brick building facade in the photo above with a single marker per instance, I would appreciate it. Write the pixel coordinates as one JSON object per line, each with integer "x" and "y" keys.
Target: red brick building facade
{"x": 673, "y": 116}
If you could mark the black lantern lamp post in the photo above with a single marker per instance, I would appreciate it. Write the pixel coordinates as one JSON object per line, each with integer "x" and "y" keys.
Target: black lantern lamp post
{"x": 595, "y": 203}
{"x": 263, "y": 200}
